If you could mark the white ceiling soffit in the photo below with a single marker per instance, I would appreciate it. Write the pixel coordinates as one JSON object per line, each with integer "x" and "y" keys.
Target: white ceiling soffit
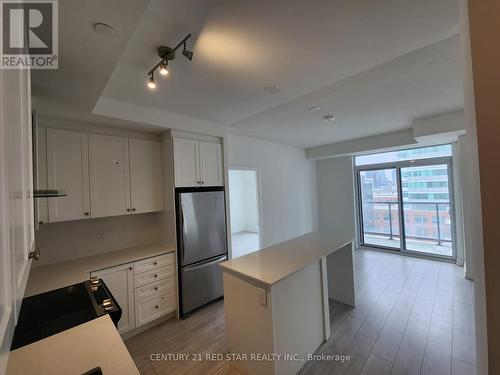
{"x": 86, "y": 59}
{"x": 301, "y": 46}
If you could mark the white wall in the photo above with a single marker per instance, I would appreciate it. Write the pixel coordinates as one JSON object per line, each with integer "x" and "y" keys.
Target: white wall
{"x": 287, "y": 184}
{"x": 243, "y": 201}
{"x": 336, "y": 196}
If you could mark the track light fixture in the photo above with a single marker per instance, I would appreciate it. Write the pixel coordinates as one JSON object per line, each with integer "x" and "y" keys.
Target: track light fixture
{"x": 186, "y": 53}
{"x": 167, "y": 53}
{"x": 151, "y": 82}
{"x": 164, "y": 68}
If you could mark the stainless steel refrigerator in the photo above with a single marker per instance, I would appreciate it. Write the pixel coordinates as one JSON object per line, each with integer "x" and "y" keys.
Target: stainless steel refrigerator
{"x": 201, "y": 245}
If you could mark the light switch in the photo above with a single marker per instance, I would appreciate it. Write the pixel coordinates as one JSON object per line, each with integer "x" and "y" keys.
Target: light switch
{"x": 262, "y": 296}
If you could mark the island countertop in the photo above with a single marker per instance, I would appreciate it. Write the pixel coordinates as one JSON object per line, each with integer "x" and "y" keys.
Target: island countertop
{"x": 274, "y": 263}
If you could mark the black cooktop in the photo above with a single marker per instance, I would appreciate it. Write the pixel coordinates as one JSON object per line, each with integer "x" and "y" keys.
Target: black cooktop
{"x": 49, "y": 313}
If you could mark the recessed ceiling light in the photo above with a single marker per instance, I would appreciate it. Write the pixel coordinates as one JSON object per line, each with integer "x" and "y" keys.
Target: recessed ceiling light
{"x": 272, "y": 89}
{"x": 314, "y": 108}
{"x": 103, "y": 29}
{"x": 329, "y": 118}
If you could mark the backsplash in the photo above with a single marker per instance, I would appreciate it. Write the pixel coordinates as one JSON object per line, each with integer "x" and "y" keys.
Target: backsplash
{"x": 75, "y": 239}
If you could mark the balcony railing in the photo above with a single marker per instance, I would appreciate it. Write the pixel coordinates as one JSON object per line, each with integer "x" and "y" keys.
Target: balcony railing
{"x": 430, "y": 215}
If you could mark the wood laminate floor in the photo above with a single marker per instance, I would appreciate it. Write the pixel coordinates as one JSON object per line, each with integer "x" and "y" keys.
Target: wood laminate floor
{"x": 413, "y": 316}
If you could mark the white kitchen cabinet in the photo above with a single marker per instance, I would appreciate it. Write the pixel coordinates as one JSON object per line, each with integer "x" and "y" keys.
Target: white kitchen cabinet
{"x": 211, "y": 172}
{"x": 120, "y": 281}
{"x": 109, "y": 176}
{"x": 186, "y": 162}
{"x": 68, "y": 169}
{"x": 16, "y": 200}
{"x": 197, "y": 163}
{"x": 146, "y": 188}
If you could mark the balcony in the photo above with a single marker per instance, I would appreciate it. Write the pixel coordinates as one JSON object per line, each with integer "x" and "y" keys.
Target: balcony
{"x": 427, "y": 226}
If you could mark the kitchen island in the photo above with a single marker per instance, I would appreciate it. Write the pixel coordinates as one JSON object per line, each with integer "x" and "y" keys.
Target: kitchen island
{"x": 276, "y": 301}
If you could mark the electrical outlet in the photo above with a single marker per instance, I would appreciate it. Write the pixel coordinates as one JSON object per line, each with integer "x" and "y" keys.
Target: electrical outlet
{"x": 100, "y": 236}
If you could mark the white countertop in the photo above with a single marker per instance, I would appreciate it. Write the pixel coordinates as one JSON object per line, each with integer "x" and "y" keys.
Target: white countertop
{"x": 96, "y": 343}
{"x": 276, "y": 262}
{"x": 58, "y": 275}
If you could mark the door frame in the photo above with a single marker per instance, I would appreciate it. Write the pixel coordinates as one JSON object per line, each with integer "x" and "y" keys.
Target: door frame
{"x": 258, "y": 179}
{"x": 448, "y": 160}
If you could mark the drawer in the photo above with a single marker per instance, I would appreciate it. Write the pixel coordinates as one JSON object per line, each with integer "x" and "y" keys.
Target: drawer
{"x": 153, "y": 263}
{"x": 155, "y": 289}
{"x": 151, "y": 309}
{"x": 154, "y": 275}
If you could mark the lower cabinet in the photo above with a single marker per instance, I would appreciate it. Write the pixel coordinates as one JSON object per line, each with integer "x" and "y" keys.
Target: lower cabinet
{"x": 120, "y": 281}
{"x": 145, "y": 289}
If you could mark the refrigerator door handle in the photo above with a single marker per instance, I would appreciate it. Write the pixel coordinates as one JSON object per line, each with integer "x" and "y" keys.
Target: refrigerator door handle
{"x": 192, "y": 268}
{"x": 181, "y": 234}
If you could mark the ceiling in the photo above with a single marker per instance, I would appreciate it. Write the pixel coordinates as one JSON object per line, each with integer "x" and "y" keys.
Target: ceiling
{"x": 376, "y": 65}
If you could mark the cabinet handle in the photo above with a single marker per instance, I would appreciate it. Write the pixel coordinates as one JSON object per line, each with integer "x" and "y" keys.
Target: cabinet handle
{"x": 128, "y": 209}
{"x": 133, "y": 209}
{"x": 34, "y": 254}
{"x": 130, "y": 268}
{"x": 156, "y": 288}
{"x": 86, "y": 213}
{"x": 155, "y": 263}
{"x": 156, "y": 275}
{"x": 162, "y": 297}
{"x": 157, "y": 307}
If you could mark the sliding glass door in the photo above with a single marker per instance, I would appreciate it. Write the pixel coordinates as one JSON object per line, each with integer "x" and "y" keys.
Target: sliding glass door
{"x": 380, "y": 207}
{"x": 427, "y": 209}
{"x": 405, "y": 201}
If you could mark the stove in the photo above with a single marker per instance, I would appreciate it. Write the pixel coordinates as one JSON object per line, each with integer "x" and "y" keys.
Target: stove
{"x": 46, "y": 314}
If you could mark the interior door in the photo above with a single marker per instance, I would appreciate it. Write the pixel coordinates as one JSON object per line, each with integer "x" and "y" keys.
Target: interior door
{"x": 428, "y": 209}
{"x": 68, "y": 169}
{"x": 146, "y": 181}
{"x": 120, "y": 282}
{"x": 109, "y": 176}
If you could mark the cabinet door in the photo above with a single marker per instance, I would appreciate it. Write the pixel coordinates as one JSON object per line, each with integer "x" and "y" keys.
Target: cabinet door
{"x": 18, "y": 174}
{"x": 68, "y": 169}
{"x": 146, "y": 182}
{"x": 109, "y": 176}
{"x": 211, "y": 164}
{"x": 120, "y": 282}
{"x": 186, "y": 162}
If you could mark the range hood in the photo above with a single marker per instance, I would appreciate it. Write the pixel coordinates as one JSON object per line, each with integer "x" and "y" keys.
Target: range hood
{"x": 48, "y": 193}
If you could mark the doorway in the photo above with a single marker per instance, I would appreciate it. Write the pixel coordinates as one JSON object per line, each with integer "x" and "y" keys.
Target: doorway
{"x": 245, "y": 212}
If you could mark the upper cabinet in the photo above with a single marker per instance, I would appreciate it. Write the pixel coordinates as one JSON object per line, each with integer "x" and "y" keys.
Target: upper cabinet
{"x": 146, "y": 193}
{"x": 197, "y": 163}
{"x": 68, "y": 167}
{"x": 109, "y": 175}
{"x": 102, "y": 175}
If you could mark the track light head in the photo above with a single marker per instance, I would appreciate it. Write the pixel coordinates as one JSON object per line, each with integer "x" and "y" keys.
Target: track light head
{"x": 186, "y": 53}
{"x": 151, "y": 82}
{"x": 164, "y": 69}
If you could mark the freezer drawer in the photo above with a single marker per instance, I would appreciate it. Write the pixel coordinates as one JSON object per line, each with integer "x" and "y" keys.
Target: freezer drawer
{"x": 201, "y": 283}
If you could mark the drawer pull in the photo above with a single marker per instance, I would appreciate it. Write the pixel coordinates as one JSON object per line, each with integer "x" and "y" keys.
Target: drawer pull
{"x": 162, "y": 297}
{"x": 156, "y": 288}
{"x": 155, "y": 263}
{"x": 156, "y": 275}
{"x": 157, "y": 307}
